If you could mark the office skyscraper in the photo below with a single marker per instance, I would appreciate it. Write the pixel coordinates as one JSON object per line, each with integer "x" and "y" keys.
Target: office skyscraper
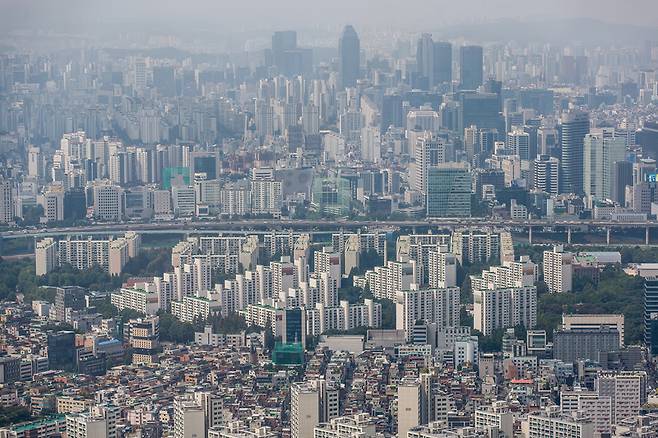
{"x": 470, "y": 65}
{"x": 282, "y": 41}
{"x": 392, "y": 113}
{"x": 164, "y": 80}
{"x": 479, "y": 109}
{"x": 573, "y": 345}
{"x": 425, "y": 61}
{"x": 61, "y": 349}
{"x": 449, "y": 190}
{"x": 289, "y": 59}
{"x": 622, "y": 177}
{"x": 442, "y": 62}
{"x": 349, "y": 50}
{"x": 575, "y": 126}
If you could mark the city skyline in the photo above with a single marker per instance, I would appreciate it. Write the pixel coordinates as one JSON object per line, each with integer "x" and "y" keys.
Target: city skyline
{"x": 420, "y": 219}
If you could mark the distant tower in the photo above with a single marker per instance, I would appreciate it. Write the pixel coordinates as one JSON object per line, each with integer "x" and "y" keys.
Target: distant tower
{"x": 434, "y": 61}
{"x": 139, "y": 73}
{"x": 282, "y": 43}
{"x": 442, "y": 62}
{"x": 349, "y": 49}
{"x": 425, "y": 59}
{"x": 470, "y": 64}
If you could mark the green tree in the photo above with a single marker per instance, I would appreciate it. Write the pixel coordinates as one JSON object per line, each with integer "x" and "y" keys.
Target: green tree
{"x": 388, "y": 313}
{"x": 31, "y": 215}
{"x": 13, "y": 414}
{"x": 173, "y": 330}
{"x": 491, "y": 343}
{"x": 231, "y": 323}
{"x": 269, "y": 336}
{"x": 107, "y": 309}
{"x": 151, "y": 263}
{"x": 616, "y": 292}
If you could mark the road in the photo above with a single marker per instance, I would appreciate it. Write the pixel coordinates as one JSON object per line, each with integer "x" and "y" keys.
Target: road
{"x": 315, "y": 226}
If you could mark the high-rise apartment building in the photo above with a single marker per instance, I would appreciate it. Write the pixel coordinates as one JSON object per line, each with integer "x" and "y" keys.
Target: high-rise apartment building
{"x": 144, "y": 337}
{"x": 45, "y": 255}
{"x": 6, "y": 201}
{"x": 558, "y": 270}
{"x": 110, "y": 255}
{"x": 442, "y": 270}
{"x": 627, "y": 390}
{"x": 553, "y": 424}
{"x": 495, "y": 309}
{"x": 547, "y": 174}
{"x": 386, "y": 281}
{"x": 432, "y": 306}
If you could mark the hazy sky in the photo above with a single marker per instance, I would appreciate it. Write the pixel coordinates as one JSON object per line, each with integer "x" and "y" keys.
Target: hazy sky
{"x": 300, "y": 14}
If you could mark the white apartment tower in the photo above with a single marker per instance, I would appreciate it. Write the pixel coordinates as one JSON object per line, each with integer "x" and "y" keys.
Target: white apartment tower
{"x": 504, "y": 308}
{"x": 440, "y": 306}
{"x": 558, "y": 270}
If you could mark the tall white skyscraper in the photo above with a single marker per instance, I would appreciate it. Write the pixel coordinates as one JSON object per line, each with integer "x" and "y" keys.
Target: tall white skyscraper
{"x": 430, "y": 151}
{"x": 601, "y": 150}
{"x": 519, "y": 142}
